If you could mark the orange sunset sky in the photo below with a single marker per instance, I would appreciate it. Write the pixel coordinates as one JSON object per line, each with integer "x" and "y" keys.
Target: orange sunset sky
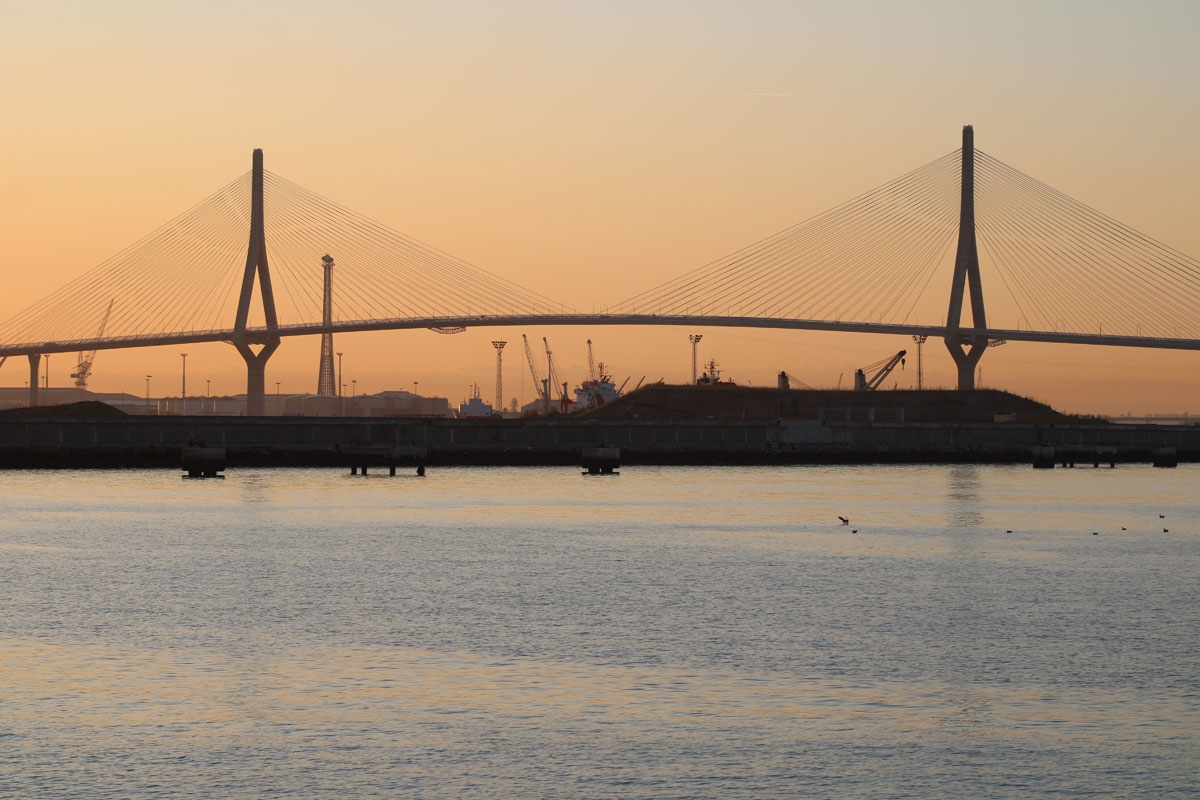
{"x": 589, "y": 151}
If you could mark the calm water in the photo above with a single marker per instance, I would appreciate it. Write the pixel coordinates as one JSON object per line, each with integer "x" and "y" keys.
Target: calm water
{"x": 667, "y": 633}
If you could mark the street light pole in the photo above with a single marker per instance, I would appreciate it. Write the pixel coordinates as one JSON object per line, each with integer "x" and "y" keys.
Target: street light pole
{"x": 148, "y": 377}
{"x": 183, "y": 389}
{"x": 341, "y": 386}
{"x": 278, "y": 408}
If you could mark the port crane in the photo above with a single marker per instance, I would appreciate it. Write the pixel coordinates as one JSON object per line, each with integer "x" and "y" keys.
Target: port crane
{"x": 83, "y": 368}
{"x": 554, "y": 379}
{"x": 864, "y": 384}
{"x": 540, "y": 384}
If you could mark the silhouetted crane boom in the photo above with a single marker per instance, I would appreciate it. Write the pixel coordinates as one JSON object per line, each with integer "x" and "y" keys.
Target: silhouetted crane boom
{"x": 539, "y": 385}
{"x": 83, "y": 368}
{"x": 551, "y": 371}
{"x": 864, "y": 384}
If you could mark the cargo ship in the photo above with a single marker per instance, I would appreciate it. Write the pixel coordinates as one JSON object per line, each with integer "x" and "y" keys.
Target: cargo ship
{"x": 598, "y": 392}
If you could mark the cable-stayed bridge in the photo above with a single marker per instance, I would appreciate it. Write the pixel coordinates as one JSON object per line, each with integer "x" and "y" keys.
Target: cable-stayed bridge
{"x": 1058, "y": 270}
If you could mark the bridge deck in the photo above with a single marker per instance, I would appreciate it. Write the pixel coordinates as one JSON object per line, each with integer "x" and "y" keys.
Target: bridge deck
{"x": 265, "y": 334}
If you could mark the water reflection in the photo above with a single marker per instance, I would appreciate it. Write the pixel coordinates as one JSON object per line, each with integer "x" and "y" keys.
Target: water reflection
{"x": 255, "y": 487}
{"x": 963, "y": 505}
{"x": 669, "y": 633}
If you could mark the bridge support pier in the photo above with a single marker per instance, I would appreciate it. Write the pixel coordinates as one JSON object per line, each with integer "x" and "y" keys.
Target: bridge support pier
{"x": 35, "y": 360}
{"x": 256, "y": 375}
{"x": 966, "y": 361}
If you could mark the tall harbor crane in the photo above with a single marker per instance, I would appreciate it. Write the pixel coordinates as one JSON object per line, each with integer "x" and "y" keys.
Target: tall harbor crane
{"x": 554, "y": 378}
{"x": 551, "y": 372}
{"x": 83, "y": 369}
{"x": 539, "y": 383}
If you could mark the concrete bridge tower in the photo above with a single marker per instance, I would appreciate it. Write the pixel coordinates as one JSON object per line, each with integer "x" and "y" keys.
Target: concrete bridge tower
{"x": 266, "y": 339}
{"x": 966, "y": 272}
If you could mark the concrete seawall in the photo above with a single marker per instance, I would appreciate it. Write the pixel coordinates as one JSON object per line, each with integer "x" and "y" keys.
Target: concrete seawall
{"x": 33, "y": 442}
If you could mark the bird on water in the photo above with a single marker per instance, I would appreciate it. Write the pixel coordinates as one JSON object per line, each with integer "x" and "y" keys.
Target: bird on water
{"x": 843, "y": 519}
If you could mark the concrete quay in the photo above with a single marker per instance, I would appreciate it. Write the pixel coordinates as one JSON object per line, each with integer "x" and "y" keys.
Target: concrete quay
{"x": 127, "y": 442}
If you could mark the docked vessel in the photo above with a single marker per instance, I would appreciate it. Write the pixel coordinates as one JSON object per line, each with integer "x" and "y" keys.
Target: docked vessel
{"x": 597, "y": 392}
{"x": 474, "y": 407}
{"x": 712, "y": 376}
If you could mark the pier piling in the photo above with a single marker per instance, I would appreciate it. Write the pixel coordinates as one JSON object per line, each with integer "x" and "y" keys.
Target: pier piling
{"x": 600, "y": 460}
{"x": 202, "y": 462}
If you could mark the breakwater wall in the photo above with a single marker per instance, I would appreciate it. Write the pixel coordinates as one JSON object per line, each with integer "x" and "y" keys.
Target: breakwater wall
{"x": 32, "y": 442}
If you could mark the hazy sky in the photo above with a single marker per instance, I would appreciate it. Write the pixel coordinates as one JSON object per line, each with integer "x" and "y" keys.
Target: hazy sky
{"x": 588, "y": 151}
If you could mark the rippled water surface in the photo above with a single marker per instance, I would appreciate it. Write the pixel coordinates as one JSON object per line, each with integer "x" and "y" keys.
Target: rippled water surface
{"x": 666, "y": 633}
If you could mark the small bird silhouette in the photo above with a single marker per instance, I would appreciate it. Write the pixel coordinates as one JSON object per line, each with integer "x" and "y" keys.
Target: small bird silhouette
{"x": 1162, "y": 516}
{"x": 854, "y": 530}
{"x": 1122, "y": 527}
{"x": 1095, "y": 534}
{"x": 1009, "y": 531}
{"x": 1165, "y": 530}
{"x": 843, "y": 519}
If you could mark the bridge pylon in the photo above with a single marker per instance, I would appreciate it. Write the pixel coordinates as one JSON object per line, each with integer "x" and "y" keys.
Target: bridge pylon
{"x": 325, "y": 370}
{"x": 256, "y": 264}
{"x": 35, "y": 361}
{"x": 966, "y": 274}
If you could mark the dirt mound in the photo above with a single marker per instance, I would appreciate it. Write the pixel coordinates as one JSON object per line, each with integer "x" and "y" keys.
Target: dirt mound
{"x": 87, "y": 408}
{"x": 741, "y": 402}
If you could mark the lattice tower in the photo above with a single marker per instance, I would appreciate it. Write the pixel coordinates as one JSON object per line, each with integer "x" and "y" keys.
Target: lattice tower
{"x": 499, "y": 345}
